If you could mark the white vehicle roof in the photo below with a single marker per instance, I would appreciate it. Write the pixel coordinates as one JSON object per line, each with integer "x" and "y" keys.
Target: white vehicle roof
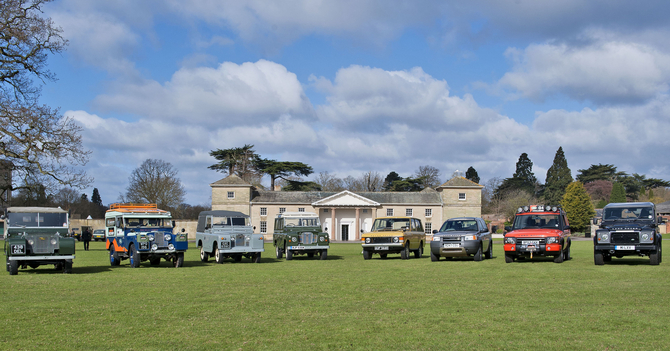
{"x": 35, "y": 209}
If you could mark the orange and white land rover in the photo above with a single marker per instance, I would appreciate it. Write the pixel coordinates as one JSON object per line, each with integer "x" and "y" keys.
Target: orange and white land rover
{"x": 538, "y": 231}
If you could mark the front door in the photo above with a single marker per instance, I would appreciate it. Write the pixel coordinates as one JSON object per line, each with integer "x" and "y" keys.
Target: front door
{"x": 345, "y": 232}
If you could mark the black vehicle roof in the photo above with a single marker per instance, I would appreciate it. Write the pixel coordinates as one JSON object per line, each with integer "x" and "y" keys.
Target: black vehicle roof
{"x": 222, "y": 213}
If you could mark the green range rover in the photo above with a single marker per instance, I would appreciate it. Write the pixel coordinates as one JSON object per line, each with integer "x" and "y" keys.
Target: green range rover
{"x": 36, "y": 236}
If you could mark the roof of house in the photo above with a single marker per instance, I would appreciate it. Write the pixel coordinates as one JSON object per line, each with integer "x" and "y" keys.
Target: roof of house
{"x": 231, "y": 180}
{"x": 460, "y": 182}
{"x": 663, "y": 207}
{"x": 308, "y": 197}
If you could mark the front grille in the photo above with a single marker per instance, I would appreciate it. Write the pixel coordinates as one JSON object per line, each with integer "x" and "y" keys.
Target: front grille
{"x": 384, "y": 240}
{"x": 42, "y": 244}
{"x": 308, "y": 238}
{"x": 625, "y": 238}
{"x": 239, "y": 240}
{"x": 451, "y": 239}
{"x": 160, "y": 240}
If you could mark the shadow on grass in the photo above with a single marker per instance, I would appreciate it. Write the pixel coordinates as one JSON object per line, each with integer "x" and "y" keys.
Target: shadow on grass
{"x": 636, "y": 261}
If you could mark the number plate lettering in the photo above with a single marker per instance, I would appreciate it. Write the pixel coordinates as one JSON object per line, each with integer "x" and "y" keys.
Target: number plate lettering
{"x": 620, "y": 247}
{"x": 377, "y": 248}
{"x": 530, "y": 242}
{"x": 450, "y": 246}
{"x": 18, "y": 249}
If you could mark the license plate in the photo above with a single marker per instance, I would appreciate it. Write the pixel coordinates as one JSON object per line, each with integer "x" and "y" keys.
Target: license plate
{"x": 144, "y": 246}
{"x": 531, "y": 248}
{"x": 377, "y": 248}
{"x": 18, "y": 249}
{"x": 450, "y": 246}
{"x": 618, "y": 247}
{"x": 530, "y": 242}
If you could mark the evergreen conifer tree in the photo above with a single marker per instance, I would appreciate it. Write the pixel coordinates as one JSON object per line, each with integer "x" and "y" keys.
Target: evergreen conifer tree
{"x": 471, "y": 174}
{"x": 618, "y": 193}
{"x": 578, "y": 207}
{"x": 558, "y": 179}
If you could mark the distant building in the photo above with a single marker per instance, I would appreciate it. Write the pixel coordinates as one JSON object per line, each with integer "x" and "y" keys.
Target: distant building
{"x": 345, "y": 214}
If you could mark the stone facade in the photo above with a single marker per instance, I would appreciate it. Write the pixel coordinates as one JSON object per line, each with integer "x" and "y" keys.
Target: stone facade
{"x": 345, "y": 214}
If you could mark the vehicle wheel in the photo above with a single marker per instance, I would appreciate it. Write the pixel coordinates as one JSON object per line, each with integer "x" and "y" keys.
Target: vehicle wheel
{"x": 383, "y": 255}
{"x": 134, "y": 257}
{"x": 489, "y": 253}
{"x": 114, "y": 259}
{"x": 289, "y": 255}
{"x": 155, "y": 261}
{"x": 67, "y": 267}
{"x": 404, "y": 254}
{"x": 278, "y": 252}
{"x": 434, "y": 257}
{"x": 478, "y": 254}
{"x": 218, "y": 257}
{"x": 13, "y": 267}
{"x": 566, "y": 254}
{"x": 418, "y": 252}
{"x": 324, "y": 254}
{"x": 238, "y": 258}
{"x": 508, "y": 258}
{"x": 654, "y": 258}
{"x": 598, "y": 258}
{"x": 367, "y": 255}
{"x": 559, "y": 258}
{"x": 204, "y": 256}
{"x": 257, "y": 258}
{"x": 310, "y": 254}
{"x": 179, "y": 261}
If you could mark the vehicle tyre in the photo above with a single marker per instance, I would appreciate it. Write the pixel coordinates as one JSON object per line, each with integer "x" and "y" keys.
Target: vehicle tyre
{"x": 155, "y": 261}
{"x": 434, "y": 257}
{"x": 13, "y": 267}
{"x": 489, "y": 253}
{"x": 114, "y": 259}
{"x": 179, "y": 261}
{"x": 508, "y": 258}
{"x": 566, "y": 254}
{"x": 218, "y": 256}
{"x": 598, "y": 258}
{"x": 367, "y": 255}
{"x": 67, "y": 267}
{"x": 383, "y": 255}
{"x": 478, "y": 254}
{"x": 134, "y": 256}
{"x": 204, "y": 256}
{"x": 559, "y": 258}
{"x": 278, "y": 252}
{"x": 238, "y": 258}
{"x": 257, "y": 258}
{"x": 289, "y": 255}
{"x": 418, "y": 252}
{"x": 404, "y": 254}
{"x": 654, "y": 258}
{"x": 324, "y": 255}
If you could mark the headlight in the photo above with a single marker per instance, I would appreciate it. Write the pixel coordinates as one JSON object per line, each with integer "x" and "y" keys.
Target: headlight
{"x": 552, "y": 240}
{"x": 604, "y": 237}
{"x": 294, "y": 239}
{"x": 53, "y": 241}
{"x": 470, "y": 237}
{"x": 322, "y": 239}
{"x": 367, "y": 240}
{"x": 151, "y": 237}
{"x": 171, "y": 247}
{"x": 645, "y": 237}
{"x": 437, "y": 238}
{"x": 510, "y": 241}
{"x": 168, "y": 237}
{"x": 395, "y": 240}
{"x": 154, "y": 247}
{"x": 31, "y": 242}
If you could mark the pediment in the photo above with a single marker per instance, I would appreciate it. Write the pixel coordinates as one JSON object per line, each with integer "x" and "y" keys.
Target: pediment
{"x": 345, "y": 199}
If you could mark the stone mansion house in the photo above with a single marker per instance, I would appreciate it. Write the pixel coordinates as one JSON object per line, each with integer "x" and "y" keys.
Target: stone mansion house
{"x": 345, "y": 214}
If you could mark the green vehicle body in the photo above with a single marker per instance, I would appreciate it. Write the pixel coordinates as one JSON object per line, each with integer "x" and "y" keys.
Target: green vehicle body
{"x": 36, "y": 236}
{"x": 299, "y": 233}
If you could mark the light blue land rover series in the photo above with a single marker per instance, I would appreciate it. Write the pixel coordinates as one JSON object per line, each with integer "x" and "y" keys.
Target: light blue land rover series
{"x": 227, "y": 234}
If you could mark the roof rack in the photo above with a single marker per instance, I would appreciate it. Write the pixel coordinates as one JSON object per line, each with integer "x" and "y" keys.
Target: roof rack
{"x": 133, "y": 206}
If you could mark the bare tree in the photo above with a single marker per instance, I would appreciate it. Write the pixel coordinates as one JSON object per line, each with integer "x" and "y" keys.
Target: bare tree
{"x": 353, "y": 184}
{"x": 36, "y": 142}
{"x": 430, "y": 176}
{"x": 155, "y": 181}
{"x": 329, "y": 182}
{"x": 372, "y": 181}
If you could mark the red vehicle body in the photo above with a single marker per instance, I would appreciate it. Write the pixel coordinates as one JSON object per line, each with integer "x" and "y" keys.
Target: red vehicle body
{"x": 538, "y": 231}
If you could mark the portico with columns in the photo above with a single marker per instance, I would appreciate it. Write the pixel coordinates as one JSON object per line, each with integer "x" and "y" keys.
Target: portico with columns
{"x": 345, "y": 214}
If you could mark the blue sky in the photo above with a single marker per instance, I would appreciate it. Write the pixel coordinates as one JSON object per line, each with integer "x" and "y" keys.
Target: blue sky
{"x": 355, "y": 86}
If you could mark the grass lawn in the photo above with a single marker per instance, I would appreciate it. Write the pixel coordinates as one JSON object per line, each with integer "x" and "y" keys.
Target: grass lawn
{"x": 342, "y": 303}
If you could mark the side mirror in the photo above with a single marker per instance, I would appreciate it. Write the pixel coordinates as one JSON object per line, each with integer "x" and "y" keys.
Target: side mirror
{"x": 362, "y": 231}
{"x": 508, "y": 229}
{"x": 405, "y": 228}
{"x": 494, "y": 228}
{"x": 325, "y": 229}
{"x": 595, "y": 220}
{"x": 183, "y": 230}
{"x": 254, "y": 227}
{"x": 174, "y": 224}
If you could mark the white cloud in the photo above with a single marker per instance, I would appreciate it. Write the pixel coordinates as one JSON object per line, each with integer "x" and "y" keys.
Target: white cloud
{"x": 228, "y": 95}
{"x": 603, "y": 72}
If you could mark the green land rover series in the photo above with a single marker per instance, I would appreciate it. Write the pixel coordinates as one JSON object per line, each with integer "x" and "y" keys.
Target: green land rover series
{"x": 299, "y": 233}
{"x": 36, "y": 236}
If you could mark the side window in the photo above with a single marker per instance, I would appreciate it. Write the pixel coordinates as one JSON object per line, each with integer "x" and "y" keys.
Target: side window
{"x": 419, "y": 227}
{"x": 208, "y": 223}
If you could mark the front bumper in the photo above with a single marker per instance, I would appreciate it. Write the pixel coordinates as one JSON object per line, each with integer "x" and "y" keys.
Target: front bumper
{"x": 384, "y": 248}
{"x": 308, "y": 247}
{"x": 527, "y": 250}
{"x": 626, "y": 249}
{"x": 465, "y": 248}
{"x": 40, "y": 258}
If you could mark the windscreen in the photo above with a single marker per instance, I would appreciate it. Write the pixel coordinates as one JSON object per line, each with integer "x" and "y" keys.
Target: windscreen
{"x": 390, "y": 224}
{"x": 536, "y": 221}
{"x": 459, "y": 225}
{"x": 302, "y": 222}
{"x": 632, "y": 212}
{"x": 226, "y": 221}
{"x": 37, "y": 219}
{"x": 145, "y": 222}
